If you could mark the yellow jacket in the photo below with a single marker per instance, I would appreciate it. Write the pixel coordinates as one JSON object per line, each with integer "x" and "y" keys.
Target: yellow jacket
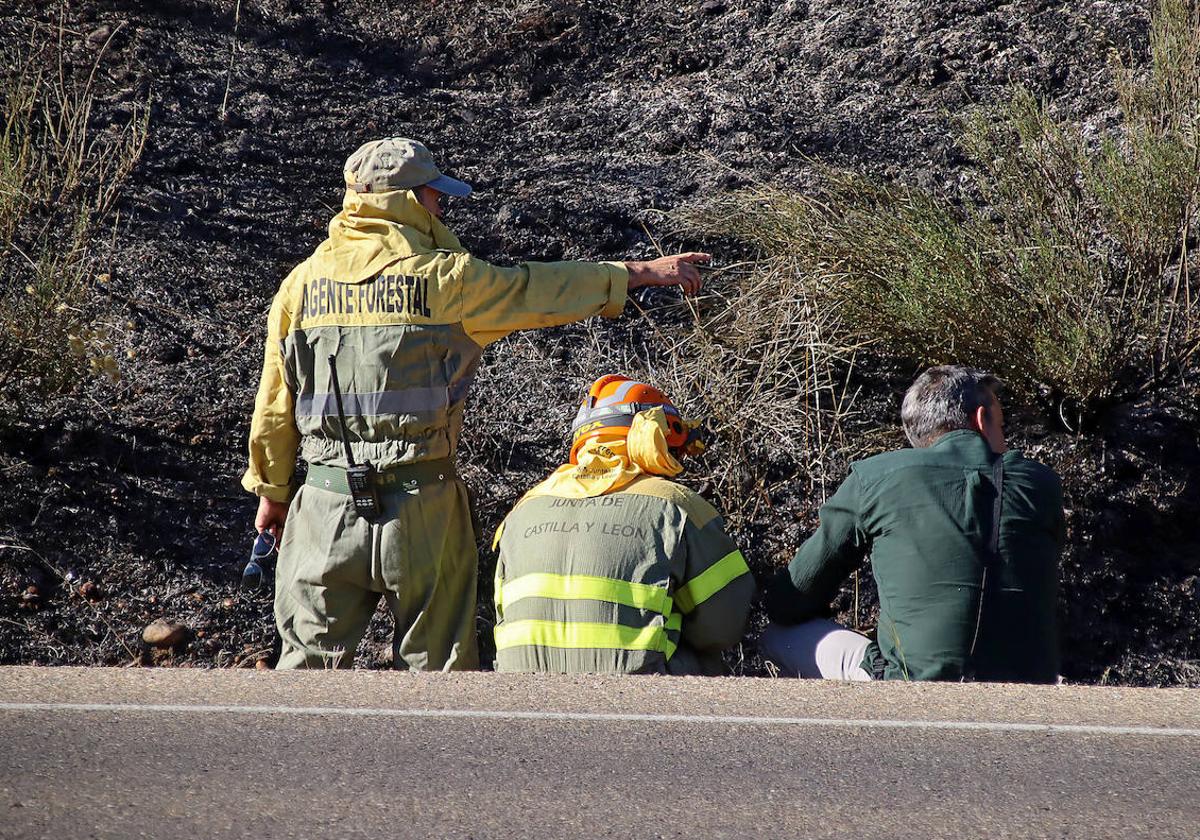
{"x": 407, "y": 312}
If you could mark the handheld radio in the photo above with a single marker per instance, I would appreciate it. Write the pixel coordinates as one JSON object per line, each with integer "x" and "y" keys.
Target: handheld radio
{"x": 360, "y": 477}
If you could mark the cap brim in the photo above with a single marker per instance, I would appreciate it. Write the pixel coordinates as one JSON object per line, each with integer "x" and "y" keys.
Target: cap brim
{"x": 450, "y": 186}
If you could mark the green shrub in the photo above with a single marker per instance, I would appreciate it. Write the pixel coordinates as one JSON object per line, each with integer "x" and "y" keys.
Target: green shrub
{"x": 59, "y": 179}
{"x": 1067, "y": 270}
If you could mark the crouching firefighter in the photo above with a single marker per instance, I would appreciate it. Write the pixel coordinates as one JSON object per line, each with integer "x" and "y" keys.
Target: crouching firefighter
{"x": 607, "y": 565}
{"x": 371, "y": 348}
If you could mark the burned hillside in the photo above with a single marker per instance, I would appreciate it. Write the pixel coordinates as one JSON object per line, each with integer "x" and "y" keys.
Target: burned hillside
{"x": 586, "y": 130}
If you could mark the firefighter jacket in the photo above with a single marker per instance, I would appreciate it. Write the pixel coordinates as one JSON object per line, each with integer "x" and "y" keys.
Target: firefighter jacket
{"x": 642, "y": 579}
{"x": 407, "y": 312}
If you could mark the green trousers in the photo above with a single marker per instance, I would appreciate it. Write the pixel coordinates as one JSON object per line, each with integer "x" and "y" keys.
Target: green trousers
{"x": 334, "y": 565}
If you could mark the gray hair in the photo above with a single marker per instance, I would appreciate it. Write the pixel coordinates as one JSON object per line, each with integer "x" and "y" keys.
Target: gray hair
{"x": 944, "y": 399}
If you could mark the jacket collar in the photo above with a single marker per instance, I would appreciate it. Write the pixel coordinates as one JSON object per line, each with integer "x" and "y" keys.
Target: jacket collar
{"x": 964, "y": 439}
{"x": 375, "y": 230}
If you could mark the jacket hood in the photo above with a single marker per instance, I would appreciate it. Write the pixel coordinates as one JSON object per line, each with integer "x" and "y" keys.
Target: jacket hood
{"x": 375, "y": 230}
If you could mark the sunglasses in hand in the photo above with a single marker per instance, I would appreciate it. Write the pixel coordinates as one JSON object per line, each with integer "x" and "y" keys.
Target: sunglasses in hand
{"x": 264, "y": 545}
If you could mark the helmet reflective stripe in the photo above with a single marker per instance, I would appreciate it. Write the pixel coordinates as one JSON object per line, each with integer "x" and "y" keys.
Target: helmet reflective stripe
{"x": 622, "y": 392}
{"x": 622, "y": 415}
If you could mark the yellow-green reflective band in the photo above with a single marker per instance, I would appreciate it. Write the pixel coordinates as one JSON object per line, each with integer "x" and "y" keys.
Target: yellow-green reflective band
{"x": 675, "y": 622}
{"x": 581, "y": 634}
{"x": 711, "y": 581}
{"x": 643, "y": 596}
{"x": 498, "y": 593}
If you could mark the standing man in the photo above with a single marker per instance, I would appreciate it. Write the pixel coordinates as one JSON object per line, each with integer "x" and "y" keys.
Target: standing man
{"x": 403, "y": 312}
{"x": 608, "y": 566}
{"x": 964, "y": 538}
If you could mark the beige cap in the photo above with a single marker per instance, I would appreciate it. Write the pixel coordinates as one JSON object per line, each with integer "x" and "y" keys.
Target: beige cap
{"x": 397, "y": 163}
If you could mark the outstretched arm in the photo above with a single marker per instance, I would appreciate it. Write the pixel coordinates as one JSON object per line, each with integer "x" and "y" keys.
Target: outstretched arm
{"x": 806, "y": 587}
{"x": 497, "y": 301}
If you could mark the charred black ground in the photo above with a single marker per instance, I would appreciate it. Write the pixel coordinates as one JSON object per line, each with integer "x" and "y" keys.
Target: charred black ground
{"x": 573, "y": 123}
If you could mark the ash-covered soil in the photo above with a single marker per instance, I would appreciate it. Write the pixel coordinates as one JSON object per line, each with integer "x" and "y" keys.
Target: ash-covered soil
{"x": 576, "y": 123}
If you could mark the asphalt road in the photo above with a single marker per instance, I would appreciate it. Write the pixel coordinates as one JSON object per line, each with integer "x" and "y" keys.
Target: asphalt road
{"x": 205, "y": 754}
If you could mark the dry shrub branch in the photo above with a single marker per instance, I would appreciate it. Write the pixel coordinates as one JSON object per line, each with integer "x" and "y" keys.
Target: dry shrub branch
{"x": 761, "y": 364}
{"x": 1068, "y": 271}
{"x": 60, "y": 177}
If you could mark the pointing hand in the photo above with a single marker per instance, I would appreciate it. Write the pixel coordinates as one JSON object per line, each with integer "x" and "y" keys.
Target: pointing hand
{"x": 675, "y": 270}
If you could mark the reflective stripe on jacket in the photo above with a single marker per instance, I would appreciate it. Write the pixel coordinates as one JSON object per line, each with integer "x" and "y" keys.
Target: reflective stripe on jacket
{"x": 641, "y": 580}
{"x": 407, "y": 313}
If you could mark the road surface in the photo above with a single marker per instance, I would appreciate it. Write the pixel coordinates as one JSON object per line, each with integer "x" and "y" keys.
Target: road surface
{"x": 219, "y": 754}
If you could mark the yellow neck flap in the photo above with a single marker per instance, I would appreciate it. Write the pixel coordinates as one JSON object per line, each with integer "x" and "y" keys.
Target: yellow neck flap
{"x": 607, "y": 466}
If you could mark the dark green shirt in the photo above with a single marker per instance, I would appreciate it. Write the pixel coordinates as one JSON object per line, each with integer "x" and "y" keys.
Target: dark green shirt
{"x": 924, "y": 517}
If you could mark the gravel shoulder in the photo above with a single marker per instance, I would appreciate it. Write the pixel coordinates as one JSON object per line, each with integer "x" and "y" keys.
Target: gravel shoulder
{"x": 722, "y": 697}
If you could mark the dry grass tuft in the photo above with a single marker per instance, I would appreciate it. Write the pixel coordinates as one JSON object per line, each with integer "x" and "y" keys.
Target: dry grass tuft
{"x": 758, "y": 361}
{"x": 59, "y": 180}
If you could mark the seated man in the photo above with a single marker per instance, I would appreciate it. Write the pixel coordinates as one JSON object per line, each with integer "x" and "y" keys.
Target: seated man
{"x": 963, "y": 537}
{"x": 608, "y": 567}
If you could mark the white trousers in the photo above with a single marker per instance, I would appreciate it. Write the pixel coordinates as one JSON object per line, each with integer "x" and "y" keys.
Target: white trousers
{"x": 817, "y": 649}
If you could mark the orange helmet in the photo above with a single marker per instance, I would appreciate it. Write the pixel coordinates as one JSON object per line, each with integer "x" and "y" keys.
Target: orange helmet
{"x": 609, "y": 407}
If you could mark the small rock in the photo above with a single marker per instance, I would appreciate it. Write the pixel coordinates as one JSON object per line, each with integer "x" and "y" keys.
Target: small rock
{"x": 164, "y": 633}
{"x": 98, "y": 36}
{"x": 713, "y": 8}
{"x": 431, "y": 45}
{"x": 262, "y": 665}
{"x": 510, "y": 216}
